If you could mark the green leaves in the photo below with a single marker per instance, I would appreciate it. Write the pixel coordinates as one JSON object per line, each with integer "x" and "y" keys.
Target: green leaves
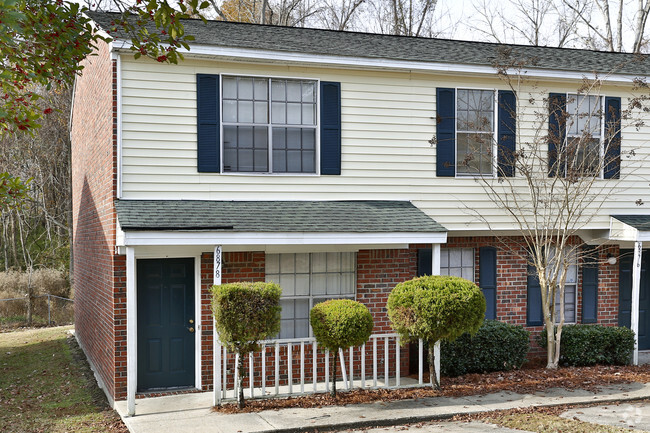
{"x": 340, "y": 323}
{"x": 246, "y": 313}
{"x": 435, "y": 308}
{"x": 13, "y": 191}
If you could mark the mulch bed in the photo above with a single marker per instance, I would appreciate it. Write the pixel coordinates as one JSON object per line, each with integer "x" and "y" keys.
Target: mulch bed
{"x": 525, "y": 381}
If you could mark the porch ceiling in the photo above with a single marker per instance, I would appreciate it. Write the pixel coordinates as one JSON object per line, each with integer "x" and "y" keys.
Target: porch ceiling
{"x": 630, "y": 228}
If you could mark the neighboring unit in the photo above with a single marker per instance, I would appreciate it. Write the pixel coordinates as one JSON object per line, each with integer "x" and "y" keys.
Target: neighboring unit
{"x": 336, "y": 164}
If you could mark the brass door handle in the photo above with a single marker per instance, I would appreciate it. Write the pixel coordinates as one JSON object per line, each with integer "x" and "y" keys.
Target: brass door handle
{"x": 191, "y": 321}
{"x": 190, "y": 329}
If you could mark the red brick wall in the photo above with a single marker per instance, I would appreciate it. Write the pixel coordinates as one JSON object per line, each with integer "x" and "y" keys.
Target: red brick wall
{"x": 93, "y": 138}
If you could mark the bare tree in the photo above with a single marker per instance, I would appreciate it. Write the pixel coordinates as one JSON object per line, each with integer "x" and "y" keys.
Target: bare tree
{"x": 609, "y": 22}
{"x": 339, "y": 14}
{"x": 532, "y": 22}
{"x": 555, "y": 188}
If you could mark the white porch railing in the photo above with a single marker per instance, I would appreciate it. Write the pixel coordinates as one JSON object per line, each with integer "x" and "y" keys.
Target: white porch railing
{"x": 287, "y": 367}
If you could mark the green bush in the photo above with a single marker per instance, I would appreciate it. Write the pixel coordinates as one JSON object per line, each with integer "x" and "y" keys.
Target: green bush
{"x": 245, "y": 314}
{"x": 338, "y": 324}
{"x": 496, "y": 346}
{"x": 435, "y": 308}
{"x": 583, "y": 345}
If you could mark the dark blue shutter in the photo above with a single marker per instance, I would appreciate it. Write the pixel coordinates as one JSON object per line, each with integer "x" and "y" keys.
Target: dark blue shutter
{"x": 534, "y": 316}
{"x": 330, "y": 128}
{"x": 208, "y": 127}
{"x": 487, "y": 264}
{"x": 446, "y": 132}
{"x": 556, "y": 133}
{"x": 590, "y": 286}
{"x": 425, "y": 265}
{"x": 507, "y": 133}
{"x": 612, "y": 138}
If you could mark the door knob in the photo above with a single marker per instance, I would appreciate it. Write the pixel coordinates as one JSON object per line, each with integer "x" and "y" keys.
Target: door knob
{"x": 191, "y": 321}
{"x": 190, "y": 329}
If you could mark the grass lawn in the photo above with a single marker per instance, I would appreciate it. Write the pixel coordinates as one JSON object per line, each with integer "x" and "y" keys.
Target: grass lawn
{"x": 47, "y": 386}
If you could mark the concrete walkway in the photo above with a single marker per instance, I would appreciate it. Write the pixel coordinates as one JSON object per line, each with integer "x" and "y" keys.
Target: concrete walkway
{"x": 191, "y": 413}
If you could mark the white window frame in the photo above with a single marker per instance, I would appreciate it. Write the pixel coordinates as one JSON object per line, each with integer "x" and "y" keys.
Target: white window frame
{"x": 270, "y": 136}
{"x": 317, "y": 297}
{"x": 601, "y": 154}
{"x": 494, "y": 134}
{"x": 447, "y": 251}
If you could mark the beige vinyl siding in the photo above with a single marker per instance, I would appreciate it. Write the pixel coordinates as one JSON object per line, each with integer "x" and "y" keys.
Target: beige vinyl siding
{"x": 388, "y": 119}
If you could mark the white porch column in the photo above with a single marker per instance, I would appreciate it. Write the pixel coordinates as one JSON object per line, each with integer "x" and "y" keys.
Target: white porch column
{"x": 636, "y": 284}
{"x": 435, "y": 270}
{"x": 131, "y": 332}
{"x": 216, "y": 344}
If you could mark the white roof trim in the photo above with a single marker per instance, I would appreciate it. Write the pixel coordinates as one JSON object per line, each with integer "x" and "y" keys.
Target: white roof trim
{"x": 248, "y": 54}
{"x": 145, "y": 238}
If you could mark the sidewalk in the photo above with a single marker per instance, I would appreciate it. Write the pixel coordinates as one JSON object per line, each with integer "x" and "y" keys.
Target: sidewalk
{"x": 191, "y": 413}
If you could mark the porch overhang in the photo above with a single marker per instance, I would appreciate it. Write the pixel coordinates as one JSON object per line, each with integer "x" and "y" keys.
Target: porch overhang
{"x": 254, "y": 223}
{"x": 629, "y": 228}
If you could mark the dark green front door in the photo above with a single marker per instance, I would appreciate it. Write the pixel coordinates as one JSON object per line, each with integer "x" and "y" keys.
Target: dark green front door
{"x": 165, "y": 323}
{"x": 625, "y": 296}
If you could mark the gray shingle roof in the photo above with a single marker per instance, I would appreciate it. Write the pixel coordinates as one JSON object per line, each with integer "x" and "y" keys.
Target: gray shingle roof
{"x": 639, "y": 222}
{"x": 352, "y": 44}
{"x": 275, "y": 216}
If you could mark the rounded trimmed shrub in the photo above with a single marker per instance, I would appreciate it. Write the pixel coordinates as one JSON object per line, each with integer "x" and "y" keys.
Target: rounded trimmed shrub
{"x": 496, "y": 346}
{"x": 583, "y": 345}
{"x": 338, "y": 324}
{"x": 435, "y": 308}
{"x": 246, "y": 313}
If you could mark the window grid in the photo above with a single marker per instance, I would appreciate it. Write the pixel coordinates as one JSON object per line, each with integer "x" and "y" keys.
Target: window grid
{"x": 268, "y": 110}
{"x": 304, "y": 301}
{"x": 458, "y": 262}
{"x": 475, "y": 132}
{"x": 585, "y": 129}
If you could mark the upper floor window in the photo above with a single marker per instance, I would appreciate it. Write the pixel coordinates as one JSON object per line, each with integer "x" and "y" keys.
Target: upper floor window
{"x": 475, "y": 132}
{"x": 584, "y": 135}
{"x": 269, "y": 125}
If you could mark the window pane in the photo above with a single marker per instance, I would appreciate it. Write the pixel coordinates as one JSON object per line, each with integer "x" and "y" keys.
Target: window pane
{"x": 318, "y": 284}
{"x": 333, "y": 262}
{"x": 302, "y": 309}
{"x": 302, "y": 285}
{"x": 261, "y": 89}
{"x": 468, "y": 257}
{"x": 279, "y": 161}
{"x": 462, "y": 100}
{"x": 229, "y": 87}
{"x": 302, "y": 263}
{"x": 272, "y": 262}
{"x": 245, "y": 112}
{"x": 294, "y": 138}
{"x": 456, "y": 272}
{"x": 333, "y": 284}
{"x": 308, "y": 114}
{"x": 261, "y": 140}
{"x": 245, "y": 88}
{"x": 455, "y": 257}
{"x": 468, "y": 273}
{"x": 286, "y": 329}
{"x": 261, "y": 158}
{"x": 309, "y": 138}
{"x": 229, "y": 137}
{"x": 308, "y": 92}
{"x": 347, "y": 262}
{"x": 278, "y": 90}
{"x": 294, "y": 161}
{"x": 261, "y": 112}
{"x": 347, "y": 283}
{"x": 230, "y": 160}
{"x": 319, "y": 262}
{"x": 287, "y": 282}
{"x": 229, "y": 111}
{"x": 245, "y": 137}
{"x": 308, "y": 161}
{"x": 301, "y": 328}
{"x": 444, "y": 257}
{"x": 278, "y": 112}
{"x": 279, "y": 138}
{"x": 294, "y": 92}
{"x": 293, "y": 114}
{"x": 287, "y": 308}
{"x": 287, "y": 262}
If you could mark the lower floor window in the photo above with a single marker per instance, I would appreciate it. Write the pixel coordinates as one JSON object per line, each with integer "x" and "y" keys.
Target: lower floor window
{"x": 457, "y": 262}
{"x": 306, "y": 280}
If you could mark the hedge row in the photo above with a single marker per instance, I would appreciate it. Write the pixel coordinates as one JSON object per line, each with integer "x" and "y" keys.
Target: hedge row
{"x": 583, "y": 345}
{"x": 496, "y": 346}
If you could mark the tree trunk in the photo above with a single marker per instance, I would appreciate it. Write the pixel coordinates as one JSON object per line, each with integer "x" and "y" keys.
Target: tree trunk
{"x": 433, "y": 377}
{"x": 30, "y": 304}
{"x": 240, "y": 382}
{"x": 551, "y": 347}
{"x": 334, "y": 353}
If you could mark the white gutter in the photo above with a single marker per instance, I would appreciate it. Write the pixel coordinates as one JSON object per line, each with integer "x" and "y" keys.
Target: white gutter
{"x": 248, "y": 54}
